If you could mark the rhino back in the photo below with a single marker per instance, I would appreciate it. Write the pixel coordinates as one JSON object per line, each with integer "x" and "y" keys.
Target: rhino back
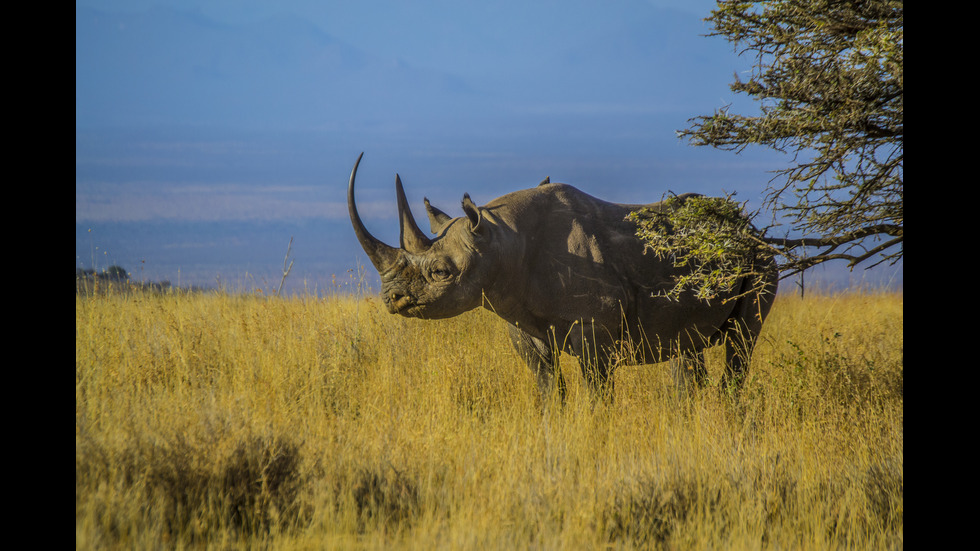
{"x": 584, "y": 264}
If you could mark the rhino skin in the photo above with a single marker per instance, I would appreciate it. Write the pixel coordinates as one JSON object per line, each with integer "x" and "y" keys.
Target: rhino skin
{"x": 568, "y": 273}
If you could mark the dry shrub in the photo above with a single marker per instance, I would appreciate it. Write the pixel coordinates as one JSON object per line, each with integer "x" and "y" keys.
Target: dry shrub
{"x": 194, "y": 490}
{"x": 648, "y": 515}
{"x": 383, "y": 497}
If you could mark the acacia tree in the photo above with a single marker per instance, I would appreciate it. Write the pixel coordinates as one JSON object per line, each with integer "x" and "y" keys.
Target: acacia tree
{"x": 828, "y": 79}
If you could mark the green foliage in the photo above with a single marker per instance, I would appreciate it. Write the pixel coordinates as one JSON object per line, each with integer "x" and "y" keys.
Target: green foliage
{"x": 711, "y": 236}
{"x": 829, "y": 82}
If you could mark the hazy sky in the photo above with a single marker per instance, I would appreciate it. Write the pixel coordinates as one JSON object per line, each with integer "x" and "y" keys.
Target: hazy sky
{"x": 210, "y": 132}
{"x": 229, "y": 100}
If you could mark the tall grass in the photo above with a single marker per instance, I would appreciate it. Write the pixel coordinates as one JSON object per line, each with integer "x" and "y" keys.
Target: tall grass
{"x": 231, "y": 421}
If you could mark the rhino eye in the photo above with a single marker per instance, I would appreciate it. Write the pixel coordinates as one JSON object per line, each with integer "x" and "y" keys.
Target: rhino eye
{"x": 441, "y": 274}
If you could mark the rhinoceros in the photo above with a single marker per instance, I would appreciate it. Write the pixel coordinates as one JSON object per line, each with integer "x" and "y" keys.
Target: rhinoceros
{"x": 567, "y": 272}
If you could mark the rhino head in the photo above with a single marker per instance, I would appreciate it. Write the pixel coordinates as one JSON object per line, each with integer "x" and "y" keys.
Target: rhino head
{"x": 423, "y": 277}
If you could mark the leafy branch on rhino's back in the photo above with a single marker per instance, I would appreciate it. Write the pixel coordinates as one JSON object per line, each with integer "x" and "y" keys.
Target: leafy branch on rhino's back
{"x": 711, "y": 236}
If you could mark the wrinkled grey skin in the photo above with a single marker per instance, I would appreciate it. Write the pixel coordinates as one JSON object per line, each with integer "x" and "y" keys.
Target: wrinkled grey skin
{"x": 567, "y": 272}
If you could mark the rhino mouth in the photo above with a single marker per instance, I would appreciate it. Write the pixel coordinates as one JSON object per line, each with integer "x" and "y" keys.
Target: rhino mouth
{"x": 405, "y": 305}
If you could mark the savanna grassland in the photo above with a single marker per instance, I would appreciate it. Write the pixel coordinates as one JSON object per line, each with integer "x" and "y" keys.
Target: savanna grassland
{"x": 235, "y": 420}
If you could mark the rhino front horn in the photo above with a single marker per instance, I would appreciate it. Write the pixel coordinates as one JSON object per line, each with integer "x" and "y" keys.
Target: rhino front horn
{"x": 381, "y": 255}
{"x": 413, "y": 239}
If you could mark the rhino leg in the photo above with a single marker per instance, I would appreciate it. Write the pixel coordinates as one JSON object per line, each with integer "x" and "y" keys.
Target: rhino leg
{"x": 540, "y": 357}
{"x": 739, "y": 343}
{"x": 598, "y": 376}
{"x": 740, "y": 335}
{"x": 689, "y": 372}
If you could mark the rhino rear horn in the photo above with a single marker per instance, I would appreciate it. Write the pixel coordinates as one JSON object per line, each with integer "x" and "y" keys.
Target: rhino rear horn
{"x": 412, "y": 238}
{"x": 381, "y": 255}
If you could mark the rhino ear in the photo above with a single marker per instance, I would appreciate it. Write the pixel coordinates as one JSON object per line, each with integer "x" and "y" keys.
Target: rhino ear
{"x": 547, "y": 180}
{"x": 438, "y": 220}
{"x": 472, "y": 212}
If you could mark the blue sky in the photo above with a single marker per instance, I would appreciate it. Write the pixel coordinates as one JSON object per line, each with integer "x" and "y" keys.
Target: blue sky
{"x": 210, "y": 133}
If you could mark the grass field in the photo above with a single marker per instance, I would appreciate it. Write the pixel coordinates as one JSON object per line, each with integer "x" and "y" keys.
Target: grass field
{"x": 231, "y": 421}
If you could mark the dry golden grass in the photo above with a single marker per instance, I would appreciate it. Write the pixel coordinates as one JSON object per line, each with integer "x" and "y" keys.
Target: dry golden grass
{"x": 232, "y": 421}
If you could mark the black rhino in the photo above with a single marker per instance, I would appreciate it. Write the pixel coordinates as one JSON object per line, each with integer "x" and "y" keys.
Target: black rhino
{"x": 568, "y": 273}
